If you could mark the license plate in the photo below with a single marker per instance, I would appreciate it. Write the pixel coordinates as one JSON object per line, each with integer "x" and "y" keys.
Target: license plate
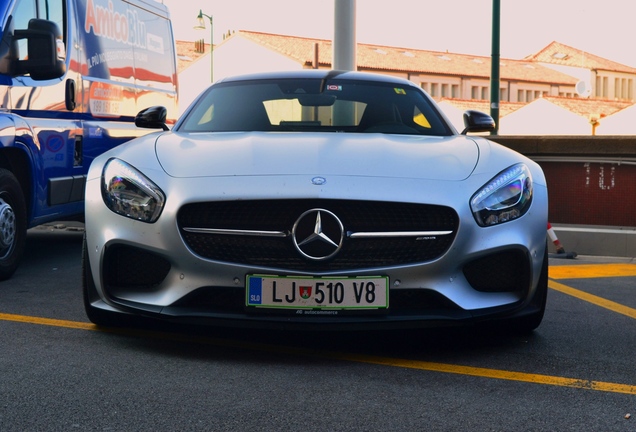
{"x": 325, "y": 293}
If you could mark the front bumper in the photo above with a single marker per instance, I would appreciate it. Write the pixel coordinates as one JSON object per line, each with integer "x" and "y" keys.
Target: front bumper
{"x": 147, "y": 269}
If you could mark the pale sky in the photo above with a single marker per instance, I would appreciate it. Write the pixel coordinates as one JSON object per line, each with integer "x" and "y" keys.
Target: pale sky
{"x": 605, "y": 28}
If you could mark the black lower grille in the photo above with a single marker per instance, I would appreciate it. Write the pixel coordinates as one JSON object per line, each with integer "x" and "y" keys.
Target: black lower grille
{"x": 506, "y": 271}
{"x": 130, "y": 267}
{"x": 280, "y": 216}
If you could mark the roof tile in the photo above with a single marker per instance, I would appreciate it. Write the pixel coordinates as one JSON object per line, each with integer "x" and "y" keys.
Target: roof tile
{"x": 560, "y": 54}
{"x": 385, "y": 58}
{"x": 380, "y": 57}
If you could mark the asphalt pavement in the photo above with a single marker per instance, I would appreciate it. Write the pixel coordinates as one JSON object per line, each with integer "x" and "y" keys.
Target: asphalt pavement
{"x": 59, "y": 372}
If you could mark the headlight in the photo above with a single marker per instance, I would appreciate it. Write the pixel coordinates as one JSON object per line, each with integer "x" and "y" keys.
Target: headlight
{"x": 129, "y": 193}
{"x": 504, "y": 198}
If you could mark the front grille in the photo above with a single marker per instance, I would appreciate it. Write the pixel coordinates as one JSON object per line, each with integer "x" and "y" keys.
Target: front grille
{"x": 506, "y": 271}
{"x": 280, "y": 216}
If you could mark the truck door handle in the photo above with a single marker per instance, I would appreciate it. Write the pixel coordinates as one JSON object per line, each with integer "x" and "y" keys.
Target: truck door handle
{"x": 70, "y": 94}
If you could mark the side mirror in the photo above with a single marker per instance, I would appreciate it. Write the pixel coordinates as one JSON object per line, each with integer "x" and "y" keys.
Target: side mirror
{"x": 46, "y": 53}
{"x": 477, "y": 121}
{"x": 152, "y": 118}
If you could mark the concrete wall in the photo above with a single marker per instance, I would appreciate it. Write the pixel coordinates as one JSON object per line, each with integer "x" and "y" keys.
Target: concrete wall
{"x": 592, "y": 189}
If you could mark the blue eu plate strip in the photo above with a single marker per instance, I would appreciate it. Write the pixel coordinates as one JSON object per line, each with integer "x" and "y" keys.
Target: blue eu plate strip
{"x": 255, "y": 291}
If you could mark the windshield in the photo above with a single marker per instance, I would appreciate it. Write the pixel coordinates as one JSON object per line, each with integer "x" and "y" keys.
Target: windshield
{"x": 315, "y": 105}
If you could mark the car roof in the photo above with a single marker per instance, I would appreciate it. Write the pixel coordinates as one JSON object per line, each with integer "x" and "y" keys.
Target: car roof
{"x": 319, "y": 74}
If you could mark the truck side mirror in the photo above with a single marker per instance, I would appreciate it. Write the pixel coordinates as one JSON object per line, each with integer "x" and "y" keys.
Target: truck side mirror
{"x": 152, "y": 118}
{"x": 46, "y": 53}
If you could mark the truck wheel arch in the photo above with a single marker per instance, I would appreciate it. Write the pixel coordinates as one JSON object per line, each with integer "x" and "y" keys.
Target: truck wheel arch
{"x": 13, "y": 223}
{"x": 16, "y": 161}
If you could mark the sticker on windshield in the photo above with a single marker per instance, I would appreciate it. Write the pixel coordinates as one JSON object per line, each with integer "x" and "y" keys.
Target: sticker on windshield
{"x": 400, "y": 91}
{"x": 334, "y": 87}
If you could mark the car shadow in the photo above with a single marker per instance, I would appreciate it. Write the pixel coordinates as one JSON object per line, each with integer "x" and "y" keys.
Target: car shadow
{"x": 439, "y": 345}
{"x": 58, "y": 242}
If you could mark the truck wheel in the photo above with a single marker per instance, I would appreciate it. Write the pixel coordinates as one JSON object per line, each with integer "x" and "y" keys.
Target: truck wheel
{"x": 13, "y": 224}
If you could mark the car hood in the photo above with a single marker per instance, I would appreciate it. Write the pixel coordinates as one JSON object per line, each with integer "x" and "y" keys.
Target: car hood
{"x": 264, "y": 154}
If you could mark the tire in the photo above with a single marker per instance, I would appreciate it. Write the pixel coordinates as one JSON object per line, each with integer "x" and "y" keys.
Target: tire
{"x": 13, "y": 224}
{"x": 96, "y": 316}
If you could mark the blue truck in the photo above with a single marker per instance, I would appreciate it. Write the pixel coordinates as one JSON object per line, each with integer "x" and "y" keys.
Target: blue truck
{"x": 73, "y": 75}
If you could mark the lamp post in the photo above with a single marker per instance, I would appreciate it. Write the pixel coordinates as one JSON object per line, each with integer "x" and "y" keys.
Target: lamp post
{"x": 494, "y": 65}
{"x": 201, "y": 26}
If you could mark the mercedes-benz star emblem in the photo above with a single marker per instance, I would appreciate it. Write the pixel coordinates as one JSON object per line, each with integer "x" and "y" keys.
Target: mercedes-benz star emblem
{"x": 318, "y": 234}
{"x": 318, "y": 181}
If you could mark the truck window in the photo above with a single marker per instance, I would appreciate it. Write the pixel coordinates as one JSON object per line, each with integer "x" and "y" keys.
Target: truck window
{"x": 23, "y": 12}
{"x": 52, "y": 10}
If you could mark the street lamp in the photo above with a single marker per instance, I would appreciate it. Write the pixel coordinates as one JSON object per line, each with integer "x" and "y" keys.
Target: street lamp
{"x": 201, "y": 26}
{"x": 494, "y": 65}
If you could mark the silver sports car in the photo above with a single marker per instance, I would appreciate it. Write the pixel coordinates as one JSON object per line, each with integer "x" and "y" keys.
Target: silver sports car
{"x": 316, "y": 200}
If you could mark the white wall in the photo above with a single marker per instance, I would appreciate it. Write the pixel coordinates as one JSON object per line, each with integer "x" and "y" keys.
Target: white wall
{"x": 235, "y": 56}
{"x": 620, "y": 123}
{"x": 542, "y": 117}
{"x": 453, "y": 114}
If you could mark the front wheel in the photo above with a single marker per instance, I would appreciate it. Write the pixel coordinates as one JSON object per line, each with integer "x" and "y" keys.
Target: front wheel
{"x": 13, "y": 224}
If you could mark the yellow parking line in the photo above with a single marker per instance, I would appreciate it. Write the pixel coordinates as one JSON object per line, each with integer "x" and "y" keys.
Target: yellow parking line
{"x": 598, "y": 301}
{"x": 591, "y": 271}
{"x": 48, "y": 321}
{"x": 496, "y": 374}
{"x": 360, "y": 358}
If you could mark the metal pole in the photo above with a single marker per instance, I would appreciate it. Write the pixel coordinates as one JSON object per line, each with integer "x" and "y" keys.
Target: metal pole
{"x": 201, "y": 26}
{"x": 344, "y": 37}
{"x": 211, "y": 50}
{"x": 344, "y": 53}
{"x": 494, "y": 67}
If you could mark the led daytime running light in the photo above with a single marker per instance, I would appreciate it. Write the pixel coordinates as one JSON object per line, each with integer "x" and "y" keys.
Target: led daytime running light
{"x": 495, "y": 184}
{"x": 504, "y": 198}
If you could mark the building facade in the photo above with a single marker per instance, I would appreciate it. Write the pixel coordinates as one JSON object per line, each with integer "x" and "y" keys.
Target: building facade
{"x": 575, "y": 81}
